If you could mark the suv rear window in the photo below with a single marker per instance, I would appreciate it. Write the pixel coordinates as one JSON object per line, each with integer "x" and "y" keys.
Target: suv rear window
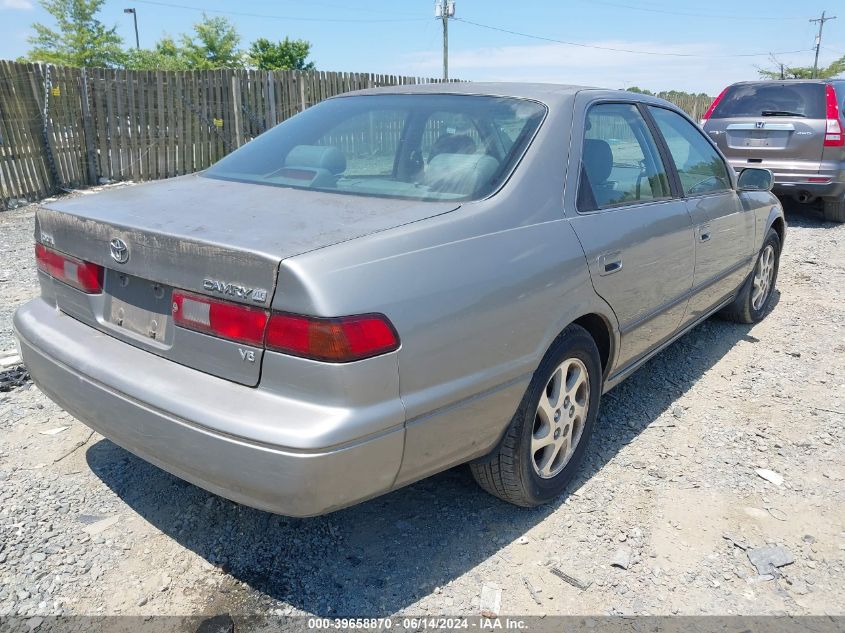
{"x": 772, "y": 99}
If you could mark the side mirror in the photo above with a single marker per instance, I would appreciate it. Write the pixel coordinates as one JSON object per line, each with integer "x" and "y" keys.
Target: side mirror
{"x": 755, "y": 179}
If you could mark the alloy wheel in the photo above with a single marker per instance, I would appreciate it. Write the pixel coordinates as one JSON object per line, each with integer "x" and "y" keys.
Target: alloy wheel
{"x": 764, "y": 272}
{"x": 560, "y": 418}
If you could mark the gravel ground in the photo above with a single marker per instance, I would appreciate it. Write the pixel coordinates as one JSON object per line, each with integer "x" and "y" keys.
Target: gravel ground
{"x": 671, "y": 492}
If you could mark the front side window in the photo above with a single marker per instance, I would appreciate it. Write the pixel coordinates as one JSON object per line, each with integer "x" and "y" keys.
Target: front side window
{"x": 699, "y": 166}
{"x": 620, "y": 163}
{"x": 412, "y": 146}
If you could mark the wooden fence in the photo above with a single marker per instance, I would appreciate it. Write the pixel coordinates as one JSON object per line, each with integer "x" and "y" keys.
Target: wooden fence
{"x": 64, "y": 128}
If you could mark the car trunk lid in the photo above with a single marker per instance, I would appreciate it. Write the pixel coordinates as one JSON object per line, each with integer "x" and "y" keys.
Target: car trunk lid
{"x": 212, "y": 237}
{"x": 769, "y": 139}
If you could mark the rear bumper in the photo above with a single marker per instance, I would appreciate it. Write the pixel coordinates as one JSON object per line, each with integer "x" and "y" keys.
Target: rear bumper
{"x": 818, "y": 190}
{"x": 793, "y": 178}
{"x": 132, "y": 398}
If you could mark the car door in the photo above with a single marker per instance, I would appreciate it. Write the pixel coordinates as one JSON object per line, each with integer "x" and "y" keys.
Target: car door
{"x": 632, "y": 224}
{"x": 724, "y": 230}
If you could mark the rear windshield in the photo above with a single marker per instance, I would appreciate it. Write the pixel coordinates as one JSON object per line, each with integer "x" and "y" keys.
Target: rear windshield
{"x": 423, "y": 147}
{"x": 772, "y": 99}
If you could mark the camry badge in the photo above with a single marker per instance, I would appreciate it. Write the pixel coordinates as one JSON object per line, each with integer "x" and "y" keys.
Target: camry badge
{"x": 119, "y": 250}
{"x": 258, "y": 295}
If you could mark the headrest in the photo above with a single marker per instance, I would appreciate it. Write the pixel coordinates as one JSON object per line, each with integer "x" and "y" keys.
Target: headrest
{"x": 453, "y": 144}
{"x": 325, "y": 157}
{"x": 460, "y": 174}
{"x": 597, "y": 160}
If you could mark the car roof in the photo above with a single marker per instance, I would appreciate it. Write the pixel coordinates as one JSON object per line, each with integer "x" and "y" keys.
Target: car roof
{"x": 787, "y": 81}
{"x": 548, "y": 93}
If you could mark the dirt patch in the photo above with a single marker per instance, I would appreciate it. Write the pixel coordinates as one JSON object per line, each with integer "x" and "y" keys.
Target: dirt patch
{"x": 671, "y": 484}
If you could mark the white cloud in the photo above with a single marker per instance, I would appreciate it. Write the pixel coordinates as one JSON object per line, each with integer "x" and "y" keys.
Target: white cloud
{"x": 560, "y": 63}
{"x": 23, "y": 5}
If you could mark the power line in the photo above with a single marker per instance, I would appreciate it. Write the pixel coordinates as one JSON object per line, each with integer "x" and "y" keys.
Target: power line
{"x": 695, "y": 15}
{"x": 266, "y": 16}
{"x": 623, "y": 50}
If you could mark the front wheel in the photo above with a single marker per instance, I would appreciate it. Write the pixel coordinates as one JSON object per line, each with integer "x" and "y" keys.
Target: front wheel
{"x": 547, "y": 438}
{"x": 755, "y": 296}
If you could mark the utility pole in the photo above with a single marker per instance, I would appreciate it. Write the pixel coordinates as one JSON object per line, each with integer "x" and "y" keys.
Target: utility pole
{"x": 445, "y": 9}
{"x": 821, "y": 22}
{"x": 135, "y": 18}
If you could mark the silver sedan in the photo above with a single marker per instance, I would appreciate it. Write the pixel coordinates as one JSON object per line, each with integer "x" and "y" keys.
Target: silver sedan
{"x": 392, "y": 283}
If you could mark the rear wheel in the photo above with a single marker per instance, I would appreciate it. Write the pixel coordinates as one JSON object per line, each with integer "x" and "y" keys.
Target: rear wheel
{"x": 834, "y": 209}
{"x": 548, "y": 436}
{"x": 755, "y": 297}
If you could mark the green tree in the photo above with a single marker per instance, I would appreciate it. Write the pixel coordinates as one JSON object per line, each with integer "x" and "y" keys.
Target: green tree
{"x": 639, "y": 90}
{"x": 213, "y": 45}
{"x": 79, "y": 38}
{"x": 836, "y": 68}
{"x": 165, "y": 56}
{"x": 285, "y": 55}
{"x": 151, "y": 59}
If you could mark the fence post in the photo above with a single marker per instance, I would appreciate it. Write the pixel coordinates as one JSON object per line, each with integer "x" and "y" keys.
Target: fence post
{"x": 45, "y": 123}
{"x": 271, "y": 95}
{"x": 88, "y": 131}
{"x": 236, "y": 108}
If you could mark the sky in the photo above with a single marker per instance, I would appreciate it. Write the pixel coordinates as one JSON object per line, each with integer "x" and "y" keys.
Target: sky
{"x": 654, "y": 44}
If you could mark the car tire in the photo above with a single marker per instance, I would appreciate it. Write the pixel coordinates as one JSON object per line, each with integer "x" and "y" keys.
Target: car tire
{"x": 755, "y": 296}
{"x": 834, "y": 209}
{"x": 569, "y": 382}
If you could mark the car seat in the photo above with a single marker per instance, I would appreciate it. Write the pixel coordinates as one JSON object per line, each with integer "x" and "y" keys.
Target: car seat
{"x": 597, "y": 163}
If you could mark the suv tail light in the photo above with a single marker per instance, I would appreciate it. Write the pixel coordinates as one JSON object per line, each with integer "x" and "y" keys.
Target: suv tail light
{"x": 833, "y": 136}
{"x": 77, "y": 273}
{"x": 335, "y": 340}
{"x": 712, "y": 107}
{"x": 243, "y": 324}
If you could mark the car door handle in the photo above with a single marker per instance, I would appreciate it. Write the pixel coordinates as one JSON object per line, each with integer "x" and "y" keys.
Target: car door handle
{"x": 610, "y": 263}
{"x": 704, "y": 233}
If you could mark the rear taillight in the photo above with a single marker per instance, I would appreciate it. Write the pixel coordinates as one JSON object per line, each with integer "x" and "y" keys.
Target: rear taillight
{"x": 833, "y": 136}
{"x": 82, "y": 275}
{"x": 335, "y": 340}
{"x": 712, "y": 107}
{"x": 338, "y": 340}
{"x": 232, "y": 321}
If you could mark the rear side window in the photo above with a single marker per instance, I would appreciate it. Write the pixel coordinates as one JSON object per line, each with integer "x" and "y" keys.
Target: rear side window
{"x": 772, "y": 99}
{"x": 839, "y": 87}
{"x": 699, "y": 166}
{"x": 620, "y": 163}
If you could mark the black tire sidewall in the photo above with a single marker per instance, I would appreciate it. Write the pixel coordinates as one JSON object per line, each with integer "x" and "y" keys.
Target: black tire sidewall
{"x": 757, "y": 315}
{"x": 575, "y": 344}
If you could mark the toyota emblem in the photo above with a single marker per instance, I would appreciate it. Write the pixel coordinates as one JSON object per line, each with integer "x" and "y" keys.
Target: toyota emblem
{"x": 119, "y": 250}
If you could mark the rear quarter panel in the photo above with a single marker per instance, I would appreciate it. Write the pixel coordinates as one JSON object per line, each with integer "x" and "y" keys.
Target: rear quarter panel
{"x": 477, "y": 296}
